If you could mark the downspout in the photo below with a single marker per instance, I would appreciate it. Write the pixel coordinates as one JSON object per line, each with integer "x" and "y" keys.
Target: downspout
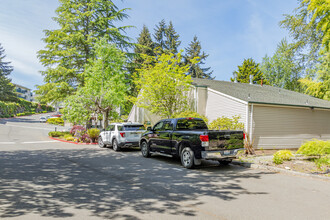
{"x": 251, "y": 124}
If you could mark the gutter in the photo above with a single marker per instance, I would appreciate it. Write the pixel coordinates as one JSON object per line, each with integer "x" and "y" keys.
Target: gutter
{"x": 304, "y": 106}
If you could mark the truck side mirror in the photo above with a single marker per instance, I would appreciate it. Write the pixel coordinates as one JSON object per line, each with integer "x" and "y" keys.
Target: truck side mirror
{"x": 149, "y": 128}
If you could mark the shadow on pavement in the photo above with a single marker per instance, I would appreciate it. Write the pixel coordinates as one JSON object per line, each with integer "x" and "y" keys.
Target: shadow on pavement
{"x": 104, "y": 182}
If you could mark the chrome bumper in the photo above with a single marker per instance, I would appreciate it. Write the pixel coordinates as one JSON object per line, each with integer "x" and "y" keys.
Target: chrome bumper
{"x": 221, "y": 154}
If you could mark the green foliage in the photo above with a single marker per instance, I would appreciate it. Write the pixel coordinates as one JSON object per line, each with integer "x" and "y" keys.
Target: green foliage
{"x": 70, "y": 138}
{"x": 282, "y": 70}
{"x": 194, "y": 51}
{"x": 44, "y": 112}
{"x": 166, "y": 38}
{"x": 67, "y": 136}
{"x": 190, "y": 114}
{"x": 249, "y": 67}
{"x": 163, "y": 85}
{"x": 315, "y": 147}
{"x": 105, "y": 85}
{"x": 93, "y": 133}
{"x": 70, "y": 47}
{"x": 56, "y": 121}
{"x": 282, "y": 155}
{"x": 58, "y": 133}
{"x": 7, "y": 89}
{"x": 225, "y": 123}
{"x": 323, "y": 161}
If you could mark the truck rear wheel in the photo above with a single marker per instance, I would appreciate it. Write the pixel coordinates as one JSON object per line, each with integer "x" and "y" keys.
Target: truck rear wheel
{"x": 187, "y": 158}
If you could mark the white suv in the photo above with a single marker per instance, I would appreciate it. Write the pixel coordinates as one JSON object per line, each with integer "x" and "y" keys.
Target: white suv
{"x": 120, "y": 135}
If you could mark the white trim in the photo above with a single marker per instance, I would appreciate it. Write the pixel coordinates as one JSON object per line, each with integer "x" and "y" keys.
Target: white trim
{"x": 247, "y": 118}
{"x": 251, "y": 124}
{"x": 227, "y": 96}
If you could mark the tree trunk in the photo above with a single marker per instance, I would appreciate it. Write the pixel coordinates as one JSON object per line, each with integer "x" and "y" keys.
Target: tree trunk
{"x": 106, "y": 119}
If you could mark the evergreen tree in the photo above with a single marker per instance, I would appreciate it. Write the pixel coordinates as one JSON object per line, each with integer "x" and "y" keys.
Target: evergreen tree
{"x": 145, "y": 45}
{"x": 249, "y": 67}
{"x": 68, "y": 49}
{"x": 160, "y": 36}
{"x": 195, "y": 50}
{"x": 7, "y": 89}
{"x": 5, "y": 68}
{"x": 172, "y": 41}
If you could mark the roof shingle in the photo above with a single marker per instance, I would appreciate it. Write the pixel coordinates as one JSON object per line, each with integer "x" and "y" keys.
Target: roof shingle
{"x": 263, "y": 94}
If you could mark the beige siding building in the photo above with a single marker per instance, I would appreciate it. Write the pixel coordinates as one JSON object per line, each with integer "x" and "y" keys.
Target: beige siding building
{"x": 274, "y": 117}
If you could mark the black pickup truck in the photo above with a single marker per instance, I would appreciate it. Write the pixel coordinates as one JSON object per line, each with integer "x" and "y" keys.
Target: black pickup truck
{"x": 190, "y": 139}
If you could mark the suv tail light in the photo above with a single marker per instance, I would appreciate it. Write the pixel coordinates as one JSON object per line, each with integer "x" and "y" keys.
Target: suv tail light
{"x": 122, "y": 134}
{"x": 243, "y": 135}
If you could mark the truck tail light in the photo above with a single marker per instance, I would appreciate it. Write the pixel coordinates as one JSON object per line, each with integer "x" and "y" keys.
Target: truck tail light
{"x": 204, "y": 138}
{"x": 122, "y": 134}
{"x": 243, "y": 135}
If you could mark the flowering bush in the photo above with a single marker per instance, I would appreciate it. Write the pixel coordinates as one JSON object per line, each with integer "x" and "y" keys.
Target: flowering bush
{"x": 76, "y": 128}
{"x": 85, "y": 138}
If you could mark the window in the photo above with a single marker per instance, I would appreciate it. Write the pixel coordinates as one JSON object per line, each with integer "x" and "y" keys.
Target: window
{"x": 158, "y": 126}
{"x": 110, "y": 128}
{"x": 133, "y": 127}
{"x": 168, "y": 125}
{"x": 191, "y": 124}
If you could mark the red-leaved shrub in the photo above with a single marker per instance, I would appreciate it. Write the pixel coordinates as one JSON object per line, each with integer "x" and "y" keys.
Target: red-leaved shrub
{"x": 76, "y": 128}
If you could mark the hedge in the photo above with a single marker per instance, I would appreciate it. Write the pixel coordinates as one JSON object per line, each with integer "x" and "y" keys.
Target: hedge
{"x": 22, "y": 107}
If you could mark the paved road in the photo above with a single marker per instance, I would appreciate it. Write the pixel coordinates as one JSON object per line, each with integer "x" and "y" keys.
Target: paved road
{"x": 44, "y": 179}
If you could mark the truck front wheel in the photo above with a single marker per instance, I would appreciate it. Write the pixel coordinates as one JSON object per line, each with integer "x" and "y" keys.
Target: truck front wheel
{"x": 187, "y": 158}
{"x": 145, "y": 150}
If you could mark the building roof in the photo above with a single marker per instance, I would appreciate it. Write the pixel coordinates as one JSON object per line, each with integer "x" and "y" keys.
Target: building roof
{"x": 263, "y": 94}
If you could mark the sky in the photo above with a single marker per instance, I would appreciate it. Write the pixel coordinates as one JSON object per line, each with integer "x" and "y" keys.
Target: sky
{"x": 229, "y": 31}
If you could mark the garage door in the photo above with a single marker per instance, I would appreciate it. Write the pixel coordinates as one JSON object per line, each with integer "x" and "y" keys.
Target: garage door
{"x": 283, "y": 127}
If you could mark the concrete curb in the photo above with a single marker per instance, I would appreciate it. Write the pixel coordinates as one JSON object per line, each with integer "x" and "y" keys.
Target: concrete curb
{"x": 71, "y": 142}
{"x": 280, "y": 170}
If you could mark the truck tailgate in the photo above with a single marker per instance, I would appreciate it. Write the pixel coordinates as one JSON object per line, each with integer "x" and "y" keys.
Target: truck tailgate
{"x": 225, "y": 140}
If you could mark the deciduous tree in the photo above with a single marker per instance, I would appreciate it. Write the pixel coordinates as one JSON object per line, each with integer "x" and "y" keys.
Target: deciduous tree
{"x": 105, "y": 87}
{"x": 7, "y": 92}
{"x": 163, "y": 85}
{"x": 282, "y": 69}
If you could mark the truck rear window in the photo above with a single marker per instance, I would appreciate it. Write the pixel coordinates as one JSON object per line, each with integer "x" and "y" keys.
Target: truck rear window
{"x": 131, "y": 128}
{"x": 190, "y": 124}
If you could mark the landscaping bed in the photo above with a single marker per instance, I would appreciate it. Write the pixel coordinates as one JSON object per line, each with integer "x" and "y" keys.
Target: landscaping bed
{"x": 78, "y": 135}
{"x": 313, "y": 157}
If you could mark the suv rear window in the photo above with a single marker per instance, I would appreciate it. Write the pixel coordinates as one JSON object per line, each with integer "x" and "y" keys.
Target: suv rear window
{"x": 131, "y": 128}
{"x": 190, "y": 124}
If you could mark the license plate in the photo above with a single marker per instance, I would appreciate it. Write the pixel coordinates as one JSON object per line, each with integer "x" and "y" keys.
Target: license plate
{"x": 226, "y": 152}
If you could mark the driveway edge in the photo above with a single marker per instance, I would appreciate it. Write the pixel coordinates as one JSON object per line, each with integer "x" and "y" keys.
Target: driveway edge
{"x": 280, "y": 170}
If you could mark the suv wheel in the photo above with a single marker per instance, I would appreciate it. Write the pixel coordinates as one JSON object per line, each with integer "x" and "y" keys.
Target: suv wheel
{"x": 145, "y": 150}
{"x": 187, "y": 158}
{"x": 115, "y": 146}
{"x": 100, "y": 142}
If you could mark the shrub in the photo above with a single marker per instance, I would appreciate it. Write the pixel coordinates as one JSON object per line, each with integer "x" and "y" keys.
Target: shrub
{"x": 76, "y": 128}
{"x": 225, "y": 123}
{"x": 93, "y": 133}
{"x": 55, "y": 134}
{"x": 315, "y": 147}
{"x": 44, "y": 111}
{"x": 85, "y": 138}
{"x": 190, "y": 114}
{"x": 56, "y": 121}
{"x": 282, "y": 155}
{"x": 70, "y": 138}
{"x": 67, "y": 136}
{"x": 325, "y": 160}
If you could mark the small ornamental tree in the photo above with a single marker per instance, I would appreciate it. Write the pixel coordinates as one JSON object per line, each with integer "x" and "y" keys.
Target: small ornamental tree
{"x": 163, "y": 85}
{"x": 105, "y": 86}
